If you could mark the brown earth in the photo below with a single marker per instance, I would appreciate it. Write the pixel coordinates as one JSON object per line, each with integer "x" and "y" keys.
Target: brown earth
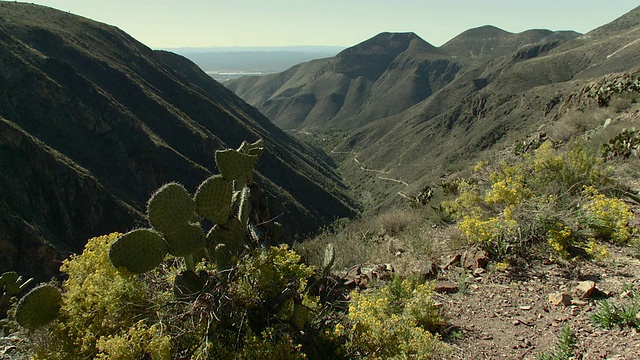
{"x": 503, "y": 315}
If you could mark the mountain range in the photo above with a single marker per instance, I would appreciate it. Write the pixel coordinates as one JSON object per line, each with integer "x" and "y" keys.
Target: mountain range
{"x": 399, "y": 113}
{"x": 92, "y": 122}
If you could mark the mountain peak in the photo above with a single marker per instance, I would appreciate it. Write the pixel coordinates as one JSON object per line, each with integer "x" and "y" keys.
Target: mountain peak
{"x": 388, "y": 43}
{"x": 489, "y": 41}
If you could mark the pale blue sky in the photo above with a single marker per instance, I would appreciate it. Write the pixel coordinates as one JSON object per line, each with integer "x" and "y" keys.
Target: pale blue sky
{"x": 201, "y": 23}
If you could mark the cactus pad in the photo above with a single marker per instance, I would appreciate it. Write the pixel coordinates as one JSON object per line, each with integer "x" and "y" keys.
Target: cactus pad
{"x": 138, "y": 251}
{"x": 39, "y": 307}
{"x": 170, "y": 207}
{"x": 185, "y": 240}
{"x": 233, "y": 164}
{"x": 329, "y": 259}
{"x": 224, "y": 243}
{"x": 213, "y": 199}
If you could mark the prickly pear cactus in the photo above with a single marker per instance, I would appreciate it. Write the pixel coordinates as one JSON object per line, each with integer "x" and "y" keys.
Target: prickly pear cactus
{"x": 185, "y": 240}
{"x": 174, "y": 216}
{"x": 10, "y": 285}
{"x": 169, "y": 207}
{"x": 213, "y": 199}
{"x": 233, "y": 164}
{"x": 138, "y": 251}
{"x": 39, "y": 307}
{"x": 225, "y": 242}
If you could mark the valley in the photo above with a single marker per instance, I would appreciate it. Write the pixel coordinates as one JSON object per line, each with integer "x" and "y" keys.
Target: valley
{"x": 392, "y": 199}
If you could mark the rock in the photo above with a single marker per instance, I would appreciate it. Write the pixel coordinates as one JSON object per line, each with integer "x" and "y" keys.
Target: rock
{"x": 452, "y": 260}
{"x": 447, "y": 287}
{"x": 362, "y": 281}
{"x": 425, "y": 269}
{"x": 584, "y": 289}
{"x": 578, "y": 302}
{"x": 384, "y": 272}
{"x": 353, "y": 271}
{"x": 474, "y": 258}
{"x": 479, "y": 271}
{"x": 557, "y": 299}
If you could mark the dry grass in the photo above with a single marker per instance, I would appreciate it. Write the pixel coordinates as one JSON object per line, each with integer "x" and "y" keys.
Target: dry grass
{"x": 398, "y": 236}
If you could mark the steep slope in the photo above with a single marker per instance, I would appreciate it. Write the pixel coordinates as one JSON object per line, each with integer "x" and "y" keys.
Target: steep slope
{"x": 379, "y": 77}
{"x": 94, "y": 121}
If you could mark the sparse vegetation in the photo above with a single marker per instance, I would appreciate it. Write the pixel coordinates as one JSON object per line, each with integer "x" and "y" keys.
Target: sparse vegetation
{"x": 624, "y": 314}
{"x": 564, "y": 348}
{"x": 203, "y": 281}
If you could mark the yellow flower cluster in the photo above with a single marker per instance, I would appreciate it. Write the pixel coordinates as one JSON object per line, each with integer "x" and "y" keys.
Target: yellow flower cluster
{"x": 394, "y": 322}
{"x": 508, "y": 186}
{"x": 92, "y": 308}
{"x": 560, "y": 238}
{"x": 596, "y": 250}
{"x": 266, "y": 273}
{"x": 608, "y": 217}
{"x": 139, "y": 340}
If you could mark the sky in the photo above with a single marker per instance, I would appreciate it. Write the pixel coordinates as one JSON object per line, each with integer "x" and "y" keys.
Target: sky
{"x": 164, "y": 24}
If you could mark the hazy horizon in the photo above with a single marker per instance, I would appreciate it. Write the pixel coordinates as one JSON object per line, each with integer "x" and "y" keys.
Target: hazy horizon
{"x": 171, "y": 24}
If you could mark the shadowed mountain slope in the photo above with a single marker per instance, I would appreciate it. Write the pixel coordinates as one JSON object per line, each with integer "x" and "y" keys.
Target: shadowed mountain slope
{"x": 93, "y": 121}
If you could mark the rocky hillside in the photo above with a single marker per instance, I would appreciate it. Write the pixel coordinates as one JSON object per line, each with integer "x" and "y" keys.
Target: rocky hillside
{"x": 92, "y": 121}
{"x": 379, "y": 77}
{"x": 429, "y": 111}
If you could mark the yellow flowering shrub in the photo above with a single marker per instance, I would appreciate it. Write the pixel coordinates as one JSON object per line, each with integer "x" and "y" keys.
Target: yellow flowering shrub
{"x": 270, "y": 346}
{"x": 508, "y": 186}
{"x": 608, "y": 218}
{"x": 535, "y": 198}
{"x": 596, "y": 250}
{"x": 138, "y": 341}
{"x": 267, "y": 273}
{"x": 393, "y": 322}
{"x": 98, "y": 301}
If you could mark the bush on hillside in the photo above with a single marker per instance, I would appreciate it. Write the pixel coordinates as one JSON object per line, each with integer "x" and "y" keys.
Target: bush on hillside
{"x": 547, "y": 195}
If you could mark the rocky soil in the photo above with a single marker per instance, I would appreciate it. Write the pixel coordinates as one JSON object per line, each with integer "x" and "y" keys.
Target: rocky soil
{"x": 503, "y": 315}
